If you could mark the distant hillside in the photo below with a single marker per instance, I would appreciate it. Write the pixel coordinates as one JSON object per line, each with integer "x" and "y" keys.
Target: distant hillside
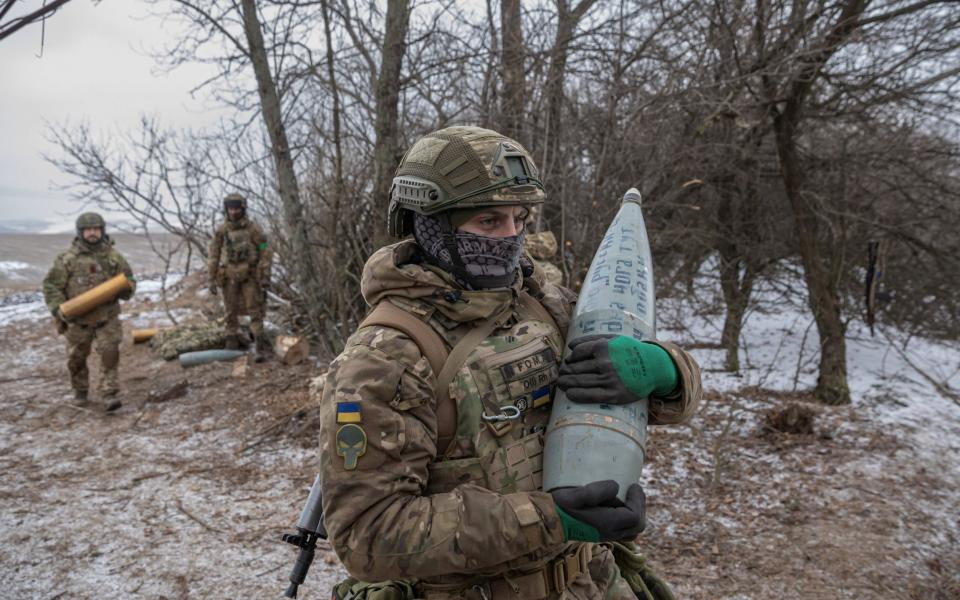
{"x": 55, "y": 227}
{"x": 26, "y": 226}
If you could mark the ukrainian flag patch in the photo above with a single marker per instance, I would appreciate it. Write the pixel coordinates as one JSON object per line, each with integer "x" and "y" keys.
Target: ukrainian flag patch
{"x": 541, "y": 396}
{"x": 348, "y": 412}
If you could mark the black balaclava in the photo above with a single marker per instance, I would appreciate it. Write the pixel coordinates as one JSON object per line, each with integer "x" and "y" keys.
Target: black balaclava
{"x": 477, "y": 262}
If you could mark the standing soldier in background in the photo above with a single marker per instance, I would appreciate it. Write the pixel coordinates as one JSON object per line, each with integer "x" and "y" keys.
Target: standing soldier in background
{"x": 90, "y": 261}
{"x": 239, "y": 262}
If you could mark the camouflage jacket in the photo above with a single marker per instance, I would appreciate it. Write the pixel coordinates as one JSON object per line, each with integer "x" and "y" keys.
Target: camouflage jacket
{"x": 81, "y": 268}
{"x": 239, "y": 251}
{"x": 397, "y": 506}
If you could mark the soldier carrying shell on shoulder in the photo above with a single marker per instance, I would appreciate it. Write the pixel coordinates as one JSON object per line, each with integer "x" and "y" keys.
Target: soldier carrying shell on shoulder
{"x": 90, "y": 262}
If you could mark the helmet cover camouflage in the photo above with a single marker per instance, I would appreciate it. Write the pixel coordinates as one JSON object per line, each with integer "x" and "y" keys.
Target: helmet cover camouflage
{"x": 234, "y": 201}
{"x": 89, "y": 220}
{"x": 459, "y": 168}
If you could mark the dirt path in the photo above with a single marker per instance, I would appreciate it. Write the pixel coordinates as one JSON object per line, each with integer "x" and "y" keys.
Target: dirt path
{"x": 156, "y": 501}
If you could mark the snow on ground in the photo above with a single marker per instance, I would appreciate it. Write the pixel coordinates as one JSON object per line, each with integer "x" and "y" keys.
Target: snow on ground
{"x": 22, "y": 306}
{"x": 780, "y": 351}
{"x": 891, "y": 454}
{"x": 13, "y": 269}
{"x": 858, "y": 510}
{"x": 151, "y": 287}
{"x": 159, "y": 500}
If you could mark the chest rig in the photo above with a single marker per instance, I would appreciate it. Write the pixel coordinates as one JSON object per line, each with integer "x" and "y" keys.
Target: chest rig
{"x": 494, "y": 390}
{"x": 238, "y": 246}
{"x": 88, "y": 270}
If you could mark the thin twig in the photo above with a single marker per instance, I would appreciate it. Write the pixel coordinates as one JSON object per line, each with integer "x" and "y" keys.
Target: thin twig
{"x": 194, "y": 519}
{"x": 940, "y": 386}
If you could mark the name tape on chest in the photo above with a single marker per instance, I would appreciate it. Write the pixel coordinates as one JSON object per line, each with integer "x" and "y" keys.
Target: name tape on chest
{"x": 521, "y": 367}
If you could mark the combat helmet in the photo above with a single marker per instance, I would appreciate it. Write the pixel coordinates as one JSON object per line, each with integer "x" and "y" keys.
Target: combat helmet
{"x": 235, "y": 200}
{"x": 461, "y": 168}
{"x": 89, "y": 220}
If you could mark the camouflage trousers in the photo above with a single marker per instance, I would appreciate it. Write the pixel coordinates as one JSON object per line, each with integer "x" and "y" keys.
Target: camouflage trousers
{"x": 239, "y": 297}
{"x": 80, "y": 339}
{"x": 602, "y": 580}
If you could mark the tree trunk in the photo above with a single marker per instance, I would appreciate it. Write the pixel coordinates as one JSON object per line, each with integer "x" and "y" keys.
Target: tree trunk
{"x": 387, "y": 152}
{"x": 513, "y": 100}
{"x": 736, "y": 240}
{"x": 340, "y": 249}
{"x": 736, "y": 296}
{"x": 293, "y": 214}
{"x": 832, "y": 382}
{"x": 567, "y": 22}
{"x": 832, "y": 385}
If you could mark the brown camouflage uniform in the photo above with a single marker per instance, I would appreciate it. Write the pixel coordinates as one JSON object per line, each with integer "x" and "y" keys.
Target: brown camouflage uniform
{"x": 239, "y": 262}
{"x": 82, "y": 267}
{"x": 456, "y": 519}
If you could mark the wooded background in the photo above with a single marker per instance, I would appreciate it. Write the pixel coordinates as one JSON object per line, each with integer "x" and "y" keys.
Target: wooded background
{"x": 773, "y": 141}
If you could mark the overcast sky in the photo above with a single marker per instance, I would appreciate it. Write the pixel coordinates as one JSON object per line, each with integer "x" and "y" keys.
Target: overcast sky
{"x": 95, "y": 68}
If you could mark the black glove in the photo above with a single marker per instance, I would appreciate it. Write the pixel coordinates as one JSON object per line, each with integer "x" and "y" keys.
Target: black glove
{"x": 593, "y": 513}
{"x": 60, "y": 322}
{"x": 616, "y": 369}
{"x": 214, "y": 290}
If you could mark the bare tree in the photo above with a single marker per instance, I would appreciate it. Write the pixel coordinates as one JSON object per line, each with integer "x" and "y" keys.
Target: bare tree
{"x": 156, "y": 176}
{"x": 12, "y": 23}
{"x": 307, "y": 275}
{"x": 513, "y": 99}
{"x": 568, "y": 19}
{"x": 387, "y": 150}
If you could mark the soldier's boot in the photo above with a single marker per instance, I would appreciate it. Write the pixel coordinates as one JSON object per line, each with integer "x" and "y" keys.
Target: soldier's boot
{"x": 80, "y": 398}
{"x": 262, "y": 348}
{"x": 110, "y": 401}
{"x": 232, "y": 342}
{"x": 110, "y": 384}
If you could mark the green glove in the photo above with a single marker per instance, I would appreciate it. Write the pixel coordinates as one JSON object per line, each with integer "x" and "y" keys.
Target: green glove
{"x": 605, "y": 369}
{"x": 593, "y": 513}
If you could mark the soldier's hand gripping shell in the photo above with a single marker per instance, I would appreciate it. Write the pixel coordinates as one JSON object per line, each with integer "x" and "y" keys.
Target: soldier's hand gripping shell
{"x": 214, "y": 290}
{"x": 60, "y": 322}
{"x": 593, "y": 513}
{"x": 609, "y": 369}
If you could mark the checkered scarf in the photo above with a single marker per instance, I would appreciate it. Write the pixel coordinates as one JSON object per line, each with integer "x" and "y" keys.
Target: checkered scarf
{"x": 485, "y": 258}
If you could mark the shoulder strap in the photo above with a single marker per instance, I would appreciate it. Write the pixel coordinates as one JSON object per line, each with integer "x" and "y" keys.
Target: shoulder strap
{"x": 388, "y": 314}
{"x": 431, "y": 344}
{"x": 446, "y": 406}
{"x": 538, "y": 309}
{"x": 444, "y": 365}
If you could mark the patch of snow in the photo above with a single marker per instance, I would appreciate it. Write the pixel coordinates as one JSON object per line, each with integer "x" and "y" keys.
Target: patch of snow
{"x": 780, "y": 350}
{"x": 902, "y": 387}
{"x": 22, "y": 306}
{"x": 11, "y": 269}
{"x": 150, "y": 288}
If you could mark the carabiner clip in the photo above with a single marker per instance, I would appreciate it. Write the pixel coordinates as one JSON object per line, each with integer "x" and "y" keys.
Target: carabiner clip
{"x": 482, "y": 591}
{"x": 507, "y": 413}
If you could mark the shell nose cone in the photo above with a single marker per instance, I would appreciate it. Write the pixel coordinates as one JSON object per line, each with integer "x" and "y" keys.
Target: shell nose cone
{"x": 632, "y": 195}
